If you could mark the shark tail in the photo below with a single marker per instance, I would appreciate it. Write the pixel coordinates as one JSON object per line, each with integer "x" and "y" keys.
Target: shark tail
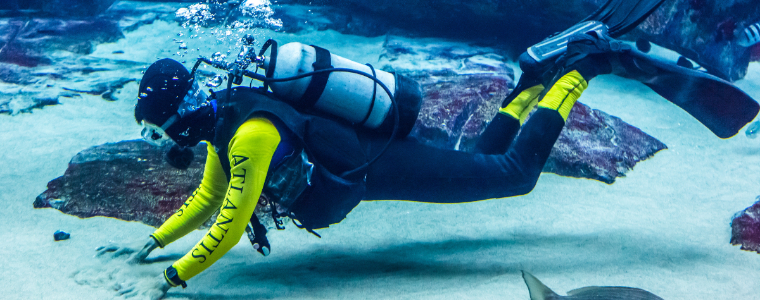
{"x": 538, "y": 291}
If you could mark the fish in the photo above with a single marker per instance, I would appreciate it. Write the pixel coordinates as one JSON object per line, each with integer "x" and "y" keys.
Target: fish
{"x": 538, "y": 291}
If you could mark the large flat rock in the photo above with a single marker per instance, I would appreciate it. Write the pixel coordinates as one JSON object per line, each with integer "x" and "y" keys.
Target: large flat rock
{"x": 128, "y": 180}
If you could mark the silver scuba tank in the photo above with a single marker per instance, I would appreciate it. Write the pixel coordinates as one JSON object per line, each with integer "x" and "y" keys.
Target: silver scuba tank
{"x": 352, "y": 97}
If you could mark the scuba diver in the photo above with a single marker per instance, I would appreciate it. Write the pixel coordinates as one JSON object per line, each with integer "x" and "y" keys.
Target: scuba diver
{"x": 252, "y": 137}
{"x": 320, "y": 143}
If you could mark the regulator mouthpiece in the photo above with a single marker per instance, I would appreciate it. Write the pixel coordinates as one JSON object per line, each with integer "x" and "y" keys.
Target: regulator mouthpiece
{"x": 156, "y": 135}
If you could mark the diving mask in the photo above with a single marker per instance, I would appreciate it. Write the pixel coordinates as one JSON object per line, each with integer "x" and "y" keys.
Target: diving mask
{"x": 194, "y": 99}
{"x": 156, "y": 135}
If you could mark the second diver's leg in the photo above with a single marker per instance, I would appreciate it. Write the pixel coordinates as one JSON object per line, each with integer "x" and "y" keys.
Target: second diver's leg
{"x": 410, "y": 171}
{"x": 502, "y": 130}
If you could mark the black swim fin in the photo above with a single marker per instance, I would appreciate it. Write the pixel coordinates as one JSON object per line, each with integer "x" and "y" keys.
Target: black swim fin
{"x": 620, "y": 16}
{"x": 623, "y": 15}
{"x": 718, "y": 104}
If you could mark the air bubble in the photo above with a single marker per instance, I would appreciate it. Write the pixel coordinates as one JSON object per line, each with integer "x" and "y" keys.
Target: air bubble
{"x": 218, "y": 56}
{"x": 753, "y": 129}
{"x": 215, "y": 81}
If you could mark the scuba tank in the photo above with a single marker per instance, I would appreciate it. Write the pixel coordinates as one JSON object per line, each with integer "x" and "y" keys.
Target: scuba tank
{"x": 311, "y": 78}
{"x": 349, "y": 96}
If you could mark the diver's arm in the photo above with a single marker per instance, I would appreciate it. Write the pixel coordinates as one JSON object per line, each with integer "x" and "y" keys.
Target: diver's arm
{"x": 199, "y": 206}
{"x": 250, "y": 153}
{"x": 196, "y": 210}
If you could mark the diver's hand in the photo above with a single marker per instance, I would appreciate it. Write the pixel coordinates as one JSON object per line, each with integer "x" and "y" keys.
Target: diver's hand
{"x": 153, "y": 288}
{"x": 137, "y": 251}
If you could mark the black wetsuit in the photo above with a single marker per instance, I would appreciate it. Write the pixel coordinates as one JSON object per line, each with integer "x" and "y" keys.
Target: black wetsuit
{"x": 416, "y": 172}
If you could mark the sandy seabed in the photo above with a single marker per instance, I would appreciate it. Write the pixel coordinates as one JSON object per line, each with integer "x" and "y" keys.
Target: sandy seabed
{"x": 664, "y": 227}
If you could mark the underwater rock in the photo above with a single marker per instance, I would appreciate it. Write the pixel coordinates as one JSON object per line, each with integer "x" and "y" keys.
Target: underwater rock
{"x": 132, "y": 181}
{"x": 28, "y": 88}
{"x": 14, "y": 74}
{"x": 745, "y": 228}
{"x": 456, "y": 109}
{"x": 130, "y": 15}
{"x": 43, "y": 58}
{"x": 30, "y": 43}
{"x": 128, "y": 180}
{"x": 463, "y": 87}
{"x": 25, "y": 101}
{"x": 61, "y": 235}
{"x": 599, "y": 146}
{"x": 75, "y": 8}
{"x": 703, "y": 31}
{"x": 56, "y": 8}
{"x": 106, "y": 89}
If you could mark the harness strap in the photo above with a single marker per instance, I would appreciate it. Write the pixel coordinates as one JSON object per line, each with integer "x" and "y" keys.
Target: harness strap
{"x": 272, "y": 60}
{"x": 318, "y": 81}
{"x": 374, "y": 95}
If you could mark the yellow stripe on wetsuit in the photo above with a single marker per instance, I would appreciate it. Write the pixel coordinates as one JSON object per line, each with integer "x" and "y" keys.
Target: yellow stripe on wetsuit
{"x": 521, "y": 106}
{"x": 250, "y": 153}
{"x": 561, "y": 97}
{"x": 563, "y": 94}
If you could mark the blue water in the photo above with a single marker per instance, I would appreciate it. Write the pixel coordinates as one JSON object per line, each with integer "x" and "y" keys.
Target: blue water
{"x": 664, "y": 227}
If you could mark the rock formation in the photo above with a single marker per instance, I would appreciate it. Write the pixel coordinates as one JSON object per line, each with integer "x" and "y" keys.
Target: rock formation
{"x": 44, "y": 58}
{"x": 745, "y": 228}
{"x": 127, "y": 180}
{"x": 702, "y": 30}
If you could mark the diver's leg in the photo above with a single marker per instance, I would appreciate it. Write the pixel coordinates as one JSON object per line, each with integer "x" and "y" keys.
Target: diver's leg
{"x": 410, "y": 171}
{"x": 504, "y": 127}
{"x": 583, "y": 54}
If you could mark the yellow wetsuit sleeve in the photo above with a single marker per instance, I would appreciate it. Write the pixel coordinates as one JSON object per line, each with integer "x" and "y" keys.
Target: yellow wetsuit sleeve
{"x": 204, "y": 201}
{"x": 250, "y": 153}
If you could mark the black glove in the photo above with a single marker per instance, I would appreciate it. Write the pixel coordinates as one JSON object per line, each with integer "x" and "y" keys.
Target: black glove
{"x": 257, "y": 234}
